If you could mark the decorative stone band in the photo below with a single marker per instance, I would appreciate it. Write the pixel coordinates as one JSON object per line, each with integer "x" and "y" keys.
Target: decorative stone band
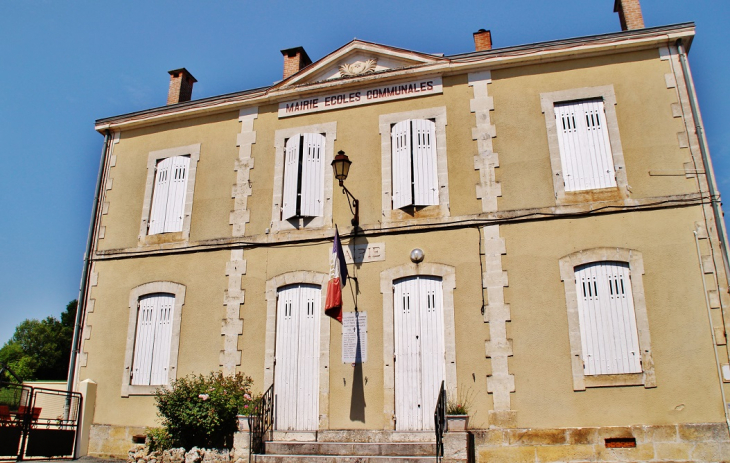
{"x": 242, "y": 189}
{"x": 232, "y": 326}
{"x": 486, "y": 160}
{"x": 104, "y": 201}
{"x": 497, "y": 313}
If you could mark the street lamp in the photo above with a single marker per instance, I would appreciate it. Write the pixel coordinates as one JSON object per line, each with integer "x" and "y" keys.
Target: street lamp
{"x": 341, "y": 166}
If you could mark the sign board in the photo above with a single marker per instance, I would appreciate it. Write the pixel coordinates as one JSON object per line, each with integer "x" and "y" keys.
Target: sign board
{"x": 357, "y": 97}
{"x": 366, "y": 252}
{"x": 354, "y": 337}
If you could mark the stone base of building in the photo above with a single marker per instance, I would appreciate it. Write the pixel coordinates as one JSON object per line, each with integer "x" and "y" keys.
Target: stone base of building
{"x": 107, "y": 440}
{"x": 701, "y": 442}
{"x": 697, "y": 442}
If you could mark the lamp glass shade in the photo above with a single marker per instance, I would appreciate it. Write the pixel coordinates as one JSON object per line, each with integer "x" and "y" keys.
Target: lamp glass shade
{"x": 341, "y": 166}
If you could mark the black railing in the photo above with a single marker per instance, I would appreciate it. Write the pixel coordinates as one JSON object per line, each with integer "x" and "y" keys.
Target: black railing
{"x": 260, "y": 422}
{"x": 439, "y": 418}
{"x": 37, "y": 423}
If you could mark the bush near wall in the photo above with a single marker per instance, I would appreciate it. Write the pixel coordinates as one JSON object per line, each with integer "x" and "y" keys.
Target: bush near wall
{"x": 200, "y": 411}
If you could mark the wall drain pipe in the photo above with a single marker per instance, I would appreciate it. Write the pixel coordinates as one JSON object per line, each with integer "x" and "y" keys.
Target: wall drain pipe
{"x": 699, "y": 130}
{"x": 81, "y": 306}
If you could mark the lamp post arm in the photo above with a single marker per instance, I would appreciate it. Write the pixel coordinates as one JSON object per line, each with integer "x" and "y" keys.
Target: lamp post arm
{"x": 354, "y": 204}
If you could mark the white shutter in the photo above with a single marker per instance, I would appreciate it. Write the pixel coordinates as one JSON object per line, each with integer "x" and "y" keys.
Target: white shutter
{"x": 312, "y": 182}
{"x": 400, "y": 139}
{"x": 433, "y": 351}
{"x": 425, "y": 179}
{"x": 308, "y": 359}
{"x": 152, "y": 340}
{"x": 291, "y": 177}
{"x": 419, "y": 350}
{"x": 159, "y": 197}
{"x": 287, "y": 345}
{"x": 177, "y": 191}
{"x": 585, "y": 149}
{"x": 609, "y": 337}
{"x": 144, "y": 341}
{"x": 297, "y": 358}
{"x": 163, "y": 332}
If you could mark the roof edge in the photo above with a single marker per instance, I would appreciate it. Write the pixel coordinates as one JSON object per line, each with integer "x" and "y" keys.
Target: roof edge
{"x": 219, "y": 102}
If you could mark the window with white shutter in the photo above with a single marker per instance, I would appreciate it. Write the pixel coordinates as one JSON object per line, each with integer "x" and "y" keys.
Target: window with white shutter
{"x": 608, "y": 323}
{"x": 414, "y": 169}
{"x": 609, "y": 337}
{"x": 304, "y": 172}
{"x": 585, "y": 149}
{"x": 151, "y": 360}
{"x": 168, "y": 196}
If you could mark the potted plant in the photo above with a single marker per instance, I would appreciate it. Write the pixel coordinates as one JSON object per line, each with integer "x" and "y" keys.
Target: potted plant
{"x": 457, "y": 415}
{"x": 245, "y": 409}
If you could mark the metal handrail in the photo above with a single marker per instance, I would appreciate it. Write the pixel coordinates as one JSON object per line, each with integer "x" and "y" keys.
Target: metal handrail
{"x": 260, "y": 422}
{"x": 439, "y": 418}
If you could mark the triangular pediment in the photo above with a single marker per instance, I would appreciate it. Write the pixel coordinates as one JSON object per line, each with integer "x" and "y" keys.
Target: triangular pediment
{"x": 359, "y": 58}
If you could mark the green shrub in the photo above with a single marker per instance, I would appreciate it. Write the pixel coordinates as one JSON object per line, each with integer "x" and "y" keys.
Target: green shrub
{"x": 158, "y": 439}
{"x": 200, "y": 411}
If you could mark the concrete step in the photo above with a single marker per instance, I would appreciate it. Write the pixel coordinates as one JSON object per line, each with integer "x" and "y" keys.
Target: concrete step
{"x": 416, "y": 449}
{"x": 356, "y": 435}
{"x": 339, "y": 459}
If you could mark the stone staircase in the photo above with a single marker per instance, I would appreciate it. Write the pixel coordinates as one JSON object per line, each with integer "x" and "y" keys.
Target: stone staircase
{"x": 350, "y": 447}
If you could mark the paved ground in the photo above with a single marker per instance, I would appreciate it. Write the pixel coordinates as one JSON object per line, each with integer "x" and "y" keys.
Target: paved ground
{"x": 86, "y": 460}
{"x": 99, "y": 460}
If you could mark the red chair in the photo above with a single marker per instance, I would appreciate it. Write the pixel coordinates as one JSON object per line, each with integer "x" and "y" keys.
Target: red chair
{"x": 4, "y": 415}
{"x": 23, "y": 410}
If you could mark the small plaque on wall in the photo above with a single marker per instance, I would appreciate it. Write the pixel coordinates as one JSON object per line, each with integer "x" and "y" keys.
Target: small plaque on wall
{"x": 354, "y": 337}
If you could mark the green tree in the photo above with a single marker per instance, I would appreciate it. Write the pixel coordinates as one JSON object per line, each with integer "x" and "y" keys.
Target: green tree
{"x": 40, "y": 349}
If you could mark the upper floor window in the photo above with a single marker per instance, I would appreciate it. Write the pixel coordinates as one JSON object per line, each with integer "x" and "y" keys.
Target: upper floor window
{"x": 414, "y": 164}
{"x": 586, "y": 155}
{"x": 304, "y": 170}
{"x": 585, "y": 149}
{"x": 415, "y": 180}
{"x": 168, "y": 196}
{"x": 302, "y": 193}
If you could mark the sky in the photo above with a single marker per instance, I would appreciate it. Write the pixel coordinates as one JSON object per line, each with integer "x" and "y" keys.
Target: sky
{"x": 65, "y": 64}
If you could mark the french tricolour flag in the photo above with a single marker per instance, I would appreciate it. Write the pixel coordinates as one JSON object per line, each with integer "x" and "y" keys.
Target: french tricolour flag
{"x": 338, "y": 280}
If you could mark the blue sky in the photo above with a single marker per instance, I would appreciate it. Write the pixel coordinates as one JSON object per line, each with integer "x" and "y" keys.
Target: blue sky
{"x": 65, "y": 64}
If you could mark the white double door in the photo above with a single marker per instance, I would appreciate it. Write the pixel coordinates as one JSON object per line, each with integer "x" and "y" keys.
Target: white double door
{"x": 419, "y": 350}
{"x": 296, "y": 373}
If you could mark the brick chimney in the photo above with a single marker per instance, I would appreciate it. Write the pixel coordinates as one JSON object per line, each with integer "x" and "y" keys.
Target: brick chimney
{"x": 295, "y": 59}
{"x": 181, "y": 86}
{"x": 629, "y": 12}
{"x": 482, "y": 40}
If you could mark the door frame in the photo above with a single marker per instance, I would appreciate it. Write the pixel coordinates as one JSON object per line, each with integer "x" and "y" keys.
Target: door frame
{"x": 272, "y": 288}
{"x": 448, "y": 281}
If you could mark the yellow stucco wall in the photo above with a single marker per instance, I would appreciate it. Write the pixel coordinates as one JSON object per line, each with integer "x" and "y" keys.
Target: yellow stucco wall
{"x": 643, "y": 108}
{"x": 200, "y": 339}
{"x": 687, "y": 390}
{"x": 212, "y": 200}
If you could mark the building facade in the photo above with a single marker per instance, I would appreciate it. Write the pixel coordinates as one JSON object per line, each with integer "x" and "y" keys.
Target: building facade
{"x": 572, "y": 287}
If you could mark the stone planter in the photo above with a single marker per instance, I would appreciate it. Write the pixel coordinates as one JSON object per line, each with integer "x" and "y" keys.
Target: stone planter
{"x": 456, "y": 423}
{"x": 243, "y": 423}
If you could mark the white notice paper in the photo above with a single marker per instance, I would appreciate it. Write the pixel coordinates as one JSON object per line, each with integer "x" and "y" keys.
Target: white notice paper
{"x": 354, "y": 337}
